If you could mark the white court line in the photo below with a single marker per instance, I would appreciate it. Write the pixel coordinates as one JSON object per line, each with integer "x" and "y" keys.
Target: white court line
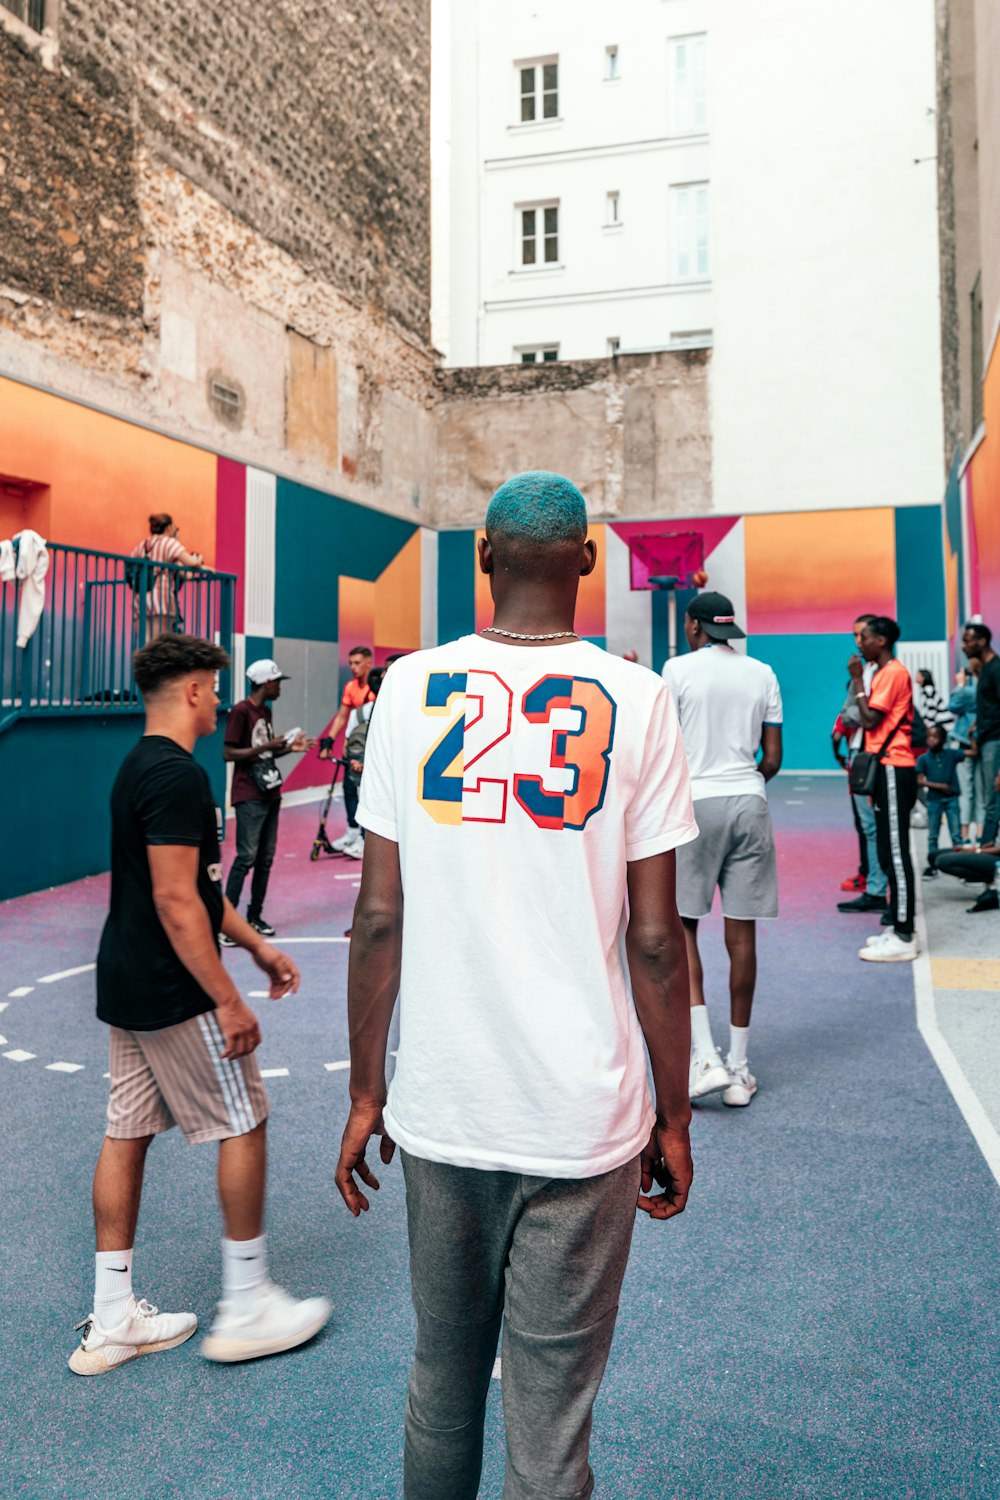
{"x": 274, "y": 1072}
{"x": 497, "y": 1369}
{"x": 257, "y": 994}
{"x": 3, "y": 1005}
{"x": 284, "y": 942}
{"x": 66, "y": 973}
{"x": 353, "y": 876}
{"x": 64, "y": 1067}
{"x": 983, "y": 1130}
{"x": 3, "y": 1041}
{"x": 337, "y": 1067}
{"x": 791, "y": 802}
{"x": 24, "y": 989}
{"x": 18, "y": 1056}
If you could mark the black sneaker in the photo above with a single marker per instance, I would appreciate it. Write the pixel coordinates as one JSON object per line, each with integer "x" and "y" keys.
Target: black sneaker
{"x": 885, "y": 920}
{"x": 226, "y": 942}
{"x": 929, "y": 873}
{"x": 986, "y": 901}
{"x": 864, "y": 902}
{"x": 264, "y": 928}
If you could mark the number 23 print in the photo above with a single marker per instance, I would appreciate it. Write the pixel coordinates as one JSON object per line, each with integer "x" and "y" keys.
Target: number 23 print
{"x": 462, "y": 780}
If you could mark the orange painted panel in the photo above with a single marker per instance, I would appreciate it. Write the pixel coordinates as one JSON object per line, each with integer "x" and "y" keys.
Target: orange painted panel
{"x": 816, "y": 571}
{"x": 985, "y": 469}
{"x": 356, "y": 624}
{"x": 105, "y": 475}
{"x": 397, "y": 600}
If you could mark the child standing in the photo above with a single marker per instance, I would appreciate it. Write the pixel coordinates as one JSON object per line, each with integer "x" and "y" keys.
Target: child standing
{"x": 937, "y": 772}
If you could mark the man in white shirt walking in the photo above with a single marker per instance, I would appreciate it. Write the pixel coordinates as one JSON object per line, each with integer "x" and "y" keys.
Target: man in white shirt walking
{"x": 518, "y": 785}
{"x": 730, "y": 707}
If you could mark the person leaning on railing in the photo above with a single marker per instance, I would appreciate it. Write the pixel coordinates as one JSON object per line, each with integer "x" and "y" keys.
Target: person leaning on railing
{"x": 161, "y": 546}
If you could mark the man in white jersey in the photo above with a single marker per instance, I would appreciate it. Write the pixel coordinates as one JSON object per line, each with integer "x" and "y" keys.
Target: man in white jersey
{"x": 729, "y": 707}
{"x": 518, "y": 785}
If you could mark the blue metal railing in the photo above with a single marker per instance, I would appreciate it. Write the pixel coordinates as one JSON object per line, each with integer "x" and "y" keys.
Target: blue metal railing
{"x": 99, "y": 609}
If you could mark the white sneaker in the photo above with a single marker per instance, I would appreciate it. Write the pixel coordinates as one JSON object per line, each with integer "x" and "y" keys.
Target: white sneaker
{"x": 340, "y": 845}
{"x": 277, "y": 1323}
{"x": 890, "y": 949}
{"x": 708, "y": 1075}
{"x": 143, "y": 1330}
{"x": 355, "y": 849}
{"x": 742, "y": 1088}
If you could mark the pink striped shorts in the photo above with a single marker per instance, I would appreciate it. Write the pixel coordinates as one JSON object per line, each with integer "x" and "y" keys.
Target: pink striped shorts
{"x": 178, "y": 1076}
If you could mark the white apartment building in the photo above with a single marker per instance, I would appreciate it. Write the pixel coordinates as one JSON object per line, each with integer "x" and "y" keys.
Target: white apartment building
{"x": 579, "y": 183}
{"x": 754, "y": 175}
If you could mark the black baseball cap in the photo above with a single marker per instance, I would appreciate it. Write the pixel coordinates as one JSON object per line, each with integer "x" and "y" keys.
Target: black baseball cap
{"x": 714, "y": 613}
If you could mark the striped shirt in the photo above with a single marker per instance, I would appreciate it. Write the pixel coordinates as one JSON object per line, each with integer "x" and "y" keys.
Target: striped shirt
{"x": 162, "y": 549}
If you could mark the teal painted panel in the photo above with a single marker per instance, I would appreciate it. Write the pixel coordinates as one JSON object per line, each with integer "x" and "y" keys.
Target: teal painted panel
{"x": 812, "y": 674}
{"x": 456, "y": 584}
{"x": 920, "y": 597}
{"x": 319, "y": 537}
{"x": 54, "y": 843}
{"x": 258, "y": 648}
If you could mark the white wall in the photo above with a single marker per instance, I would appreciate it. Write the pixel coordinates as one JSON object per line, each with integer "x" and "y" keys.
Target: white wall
{"x": 826, "y": 369}
{"x": 610, "y": 136}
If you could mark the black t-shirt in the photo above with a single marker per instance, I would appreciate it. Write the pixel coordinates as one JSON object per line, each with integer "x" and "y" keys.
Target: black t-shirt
{"x": 160, "y": 796}
{"x": 988, "y": 702}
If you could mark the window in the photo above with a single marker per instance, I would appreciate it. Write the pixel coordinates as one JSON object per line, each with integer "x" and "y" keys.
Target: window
{"x": 689, "y": 225}
{"x": 611, "y": 63}
{"x": 539, "y": 90}
{"x": 540, "y": 235}
{"x": 31, "y": 12}
{"x": 614, "y": 347}
{"x": 613, "y": 210}
{"x": 544, "y": 354}
{"x": 689, "y": 74}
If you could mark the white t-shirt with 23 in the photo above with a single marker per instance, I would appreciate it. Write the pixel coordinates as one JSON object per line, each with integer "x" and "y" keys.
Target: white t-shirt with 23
{"x": 517, "y": 782}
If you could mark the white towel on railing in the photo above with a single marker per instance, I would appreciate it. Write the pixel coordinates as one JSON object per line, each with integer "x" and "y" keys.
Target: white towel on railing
{"x": 8, "y": 562}
{"x": 32, "y": 566}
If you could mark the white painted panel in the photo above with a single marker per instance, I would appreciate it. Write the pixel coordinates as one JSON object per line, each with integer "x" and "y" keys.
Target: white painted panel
{"x": 628, "y": 614}
{"x": 727, "y": 574}
{"x": 930, "y": 654}
{"x": 428, "y": 587}
{"x": 262, "y": 508}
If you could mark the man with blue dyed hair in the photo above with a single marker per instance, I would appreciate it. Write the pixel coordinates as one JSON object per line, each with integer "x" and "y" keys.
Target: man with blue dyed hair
{"x": 518, "y": 785}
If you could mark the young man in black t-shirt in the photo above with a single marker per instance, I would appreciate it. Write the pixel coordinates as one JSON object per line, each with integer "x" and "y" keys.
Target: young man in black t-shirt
{"x": 182, "y": 1038}
{"x": 977, "y": 643}
{"x": 251, "y": 747}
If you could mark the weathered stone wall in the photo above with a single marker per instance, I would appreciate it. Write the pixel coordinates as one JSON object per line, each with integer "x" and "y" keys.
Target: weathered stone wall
{"x": 632, "y": 432}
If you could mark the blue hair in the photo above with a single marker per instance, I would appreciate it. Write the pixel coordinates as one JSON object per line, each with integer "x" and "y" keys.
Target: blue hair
{"x": 538, "y": 507}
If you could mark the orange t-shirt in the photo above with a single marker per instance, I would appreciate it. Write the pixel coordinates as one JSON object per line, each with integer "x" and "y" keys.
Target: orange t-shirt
{"x": 356, "y": 693}
{"x": 891, "y": 692}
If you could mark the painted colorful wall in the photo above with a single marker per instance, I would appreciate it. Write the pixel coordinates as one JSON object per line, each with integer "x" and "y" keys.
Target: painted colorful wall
{"x": 980, "y": 508}
{"x": 797, "y": 581}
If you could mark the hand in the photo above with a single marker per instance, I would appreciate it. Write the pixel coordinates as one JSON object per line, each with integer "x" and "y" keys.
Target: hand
{"x": 364, "y": 1121}
{"x": 855, "y": 666}
{"x": 300, "y": 744}
{"x": 666, "y": 1160}
{"x": 357, "y": 766}
{"x": 239, "y": 1027}
{"x": 271, "y": 747}
{"x": 283, "y": 974}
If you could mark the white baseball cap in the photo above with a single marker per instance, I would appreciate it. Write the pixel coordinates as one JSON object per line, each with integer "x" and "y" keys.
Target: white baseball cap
{"x": 265, "y": 670}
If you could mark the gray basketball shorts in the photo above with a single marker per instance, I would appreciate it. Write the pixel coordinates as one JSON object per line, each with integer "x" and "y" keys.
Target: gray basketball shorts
{"x": 734, "y": 850}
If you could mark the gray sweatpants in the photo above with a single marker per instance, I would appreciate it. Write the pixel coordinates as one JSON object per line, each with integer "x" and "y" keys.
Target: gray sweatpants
{"x": 545, "y": 1256}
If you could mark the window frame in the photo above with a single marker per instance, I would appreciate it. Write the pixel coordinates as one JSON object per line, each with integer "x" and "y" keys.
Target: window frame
{"x": 612, "y": 63}
{"x": 677, "y": 127}
{"x": 26, "y": 23}
{"x": 539, "y": 236}
{"x": 538, "y": 93}
{"x": 541, "y": 354}
{"x": 693, "y": 247}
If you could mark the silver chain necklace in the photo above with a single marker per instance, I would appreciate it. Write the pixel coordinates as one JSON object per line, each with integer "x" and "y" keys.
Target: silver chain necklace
{"x": 516, "y": 635}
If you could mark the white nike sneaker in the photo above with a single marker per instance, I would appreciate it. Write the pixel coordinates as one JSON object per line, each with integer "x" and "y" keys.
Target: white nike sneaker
{"x": 742, "y": 1088}
{"x": 355, "y": 849}
{"x": 276, "y": 1323}
{"x": 890, "y": 949}
{"x": 143, "y": 1330}
{"x": 340, "y": 845}
{"x": 708, "y": 1075}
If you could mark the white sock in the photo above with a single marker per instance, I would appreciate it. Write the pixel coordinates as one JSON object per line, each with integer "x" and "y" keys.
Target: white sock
{"x": 112, "y": 1286}
{"x": 244, "y": 1269}
{"x": 701, "y": 1032}
{"x": 736, "y": 1062}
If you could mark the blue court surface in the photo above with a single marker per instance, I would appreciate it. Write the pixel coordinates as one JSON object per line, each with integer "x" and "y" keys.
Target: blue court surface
{"x": 822, "y": 1321}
